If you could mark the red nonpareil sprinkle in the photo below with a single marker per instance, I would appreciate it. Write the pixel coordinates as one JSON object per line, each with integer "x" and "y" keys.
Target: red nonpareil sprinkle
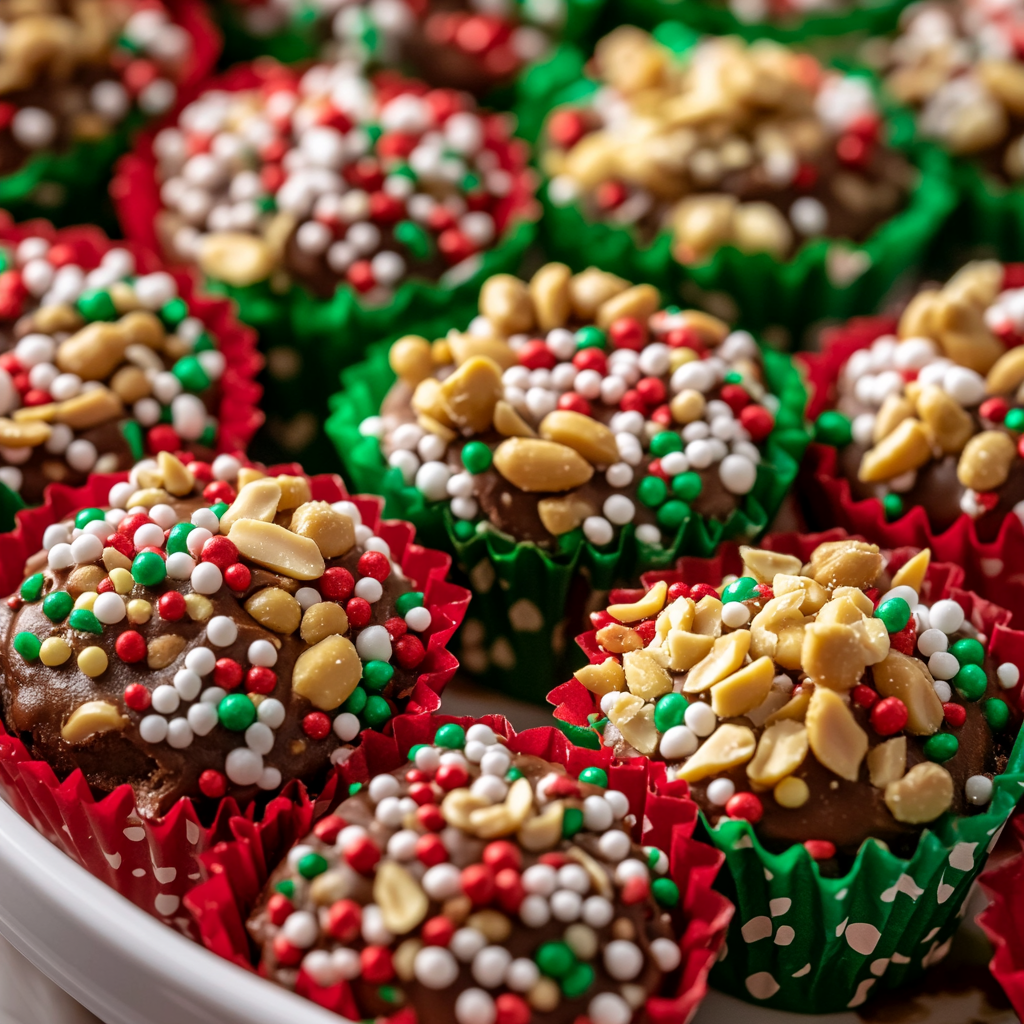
{"x": 501, "y": 854}
{"x": 645, "y": 630}
{"x": 662, "y": 415}
{"x": 676, "y": 591}
{"x": 121, "y": 543}
{"x": 279, "y": 908}
{"x": 105, "y": 585}
{"x": 359, "y": 612}
{"x": 171, "y": 606}
{"x": 601, "y": 619}
{"x": 130, "y": 647}
{"x": 627, "y": 332}
{"x": 610, "y": 194}
{"x": 573, "y": 402}
{"x": 362, "y": 854}
{"x": 137, "y": 697}
{"x": 260, "y": 679}
{"x": 344, "y": 920}
{"x": 559, "y": 787}
{"x": 220, "y": 551}
{"x": 227, "y": 673}
{"x": 566, "y": 127}
{"x": 422, "y": 793}
{"x": 906, "y": 639}
{"x": 735, "y": 396}
{"x": 994, "y": 409}
{"x": 376, "y": 964}
{"x": 508, "y": 889}
{"x": 591, "y": 359}
{"x": 316, "y": 725}
{"x": 430, "y": 817}
{"x": 360, "y": 276}
{"x": 237, "y": 576}
{"x": 337, "y": 584}
{"x": 437, "y": 931}
{"x": 747, "y": 806}
{"x": 430, "y": 850}
{"x": 864, "y": 696}
{"x": 757, "y": 421}
{"x": 632, "y": 401}
{"x": 61, "y": 254}
{"x": 554, "y": 860}
{"x": 451, "y": 776}
{"x": 36, "y": 396}
{"x": 201, "y": 471}
{"x": 212, "y": 784}
{"x": 889, "y": 716}
{"x": 285, "y": 953}
{"x": 327, "y": 829}
{"x": 478, "y": 883}
{"x": 635, "y": 890}
{"x": 408, "y": 651}
{"x": 685, "y": 337}
{"x": 454, "y": 246}
{"x": 764, "y": 592}
{"x": 219, "y": 491}
{"x": 162, "y": 438}
{"x": 535, "y": 355}
{"x": 129, "y": 526}
{"x": 701, "y": 590}
{"x": 820, "y": 849}
{"x": 417, "y": 775}
{"x": 396, "y": 627}
{"x": 14, "y": 602}
{"x": 375, "y": 565}
{"x": 656, "y": 469}
{"x": 513, "y": 1009}
{"x": 955, "y": 714}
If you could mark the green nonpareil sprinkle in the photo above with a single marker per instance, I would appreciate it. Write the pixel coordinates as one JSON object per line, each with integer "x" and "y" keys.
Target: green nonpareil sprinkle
{"x": 219, "y": 509}
{"x": 58, "y": 605}
{"x": 32, "y": 587}
{"x": 27, "y": 645}
{"x": 84, "y": 620}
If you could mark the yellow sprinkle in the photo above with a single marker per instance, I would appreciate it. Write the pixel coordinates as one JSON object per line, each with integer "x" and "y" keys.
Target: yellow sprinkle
{"x": 199, "y": 608}
{"x": 54, "y": 651}
{"x": 122, "y": 580}
{"x": 93, "y": 661}
{"x": 791, "y": 792}
{"x": 86, "y": 600}
{"x": 139, "y": 611}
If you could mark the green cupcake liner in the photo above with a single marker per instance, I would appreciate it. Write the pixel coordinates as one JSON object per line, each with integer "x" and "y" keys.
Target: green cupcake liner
{"x": 715, "y": 18}
{"x": 10, "y": 503}
{"x": 528, "y": 603}
{"x": 299, "y": 39}
{"x": 327, "y": 335}
{"x": 877, "y": 928}
{"x": 826, "y": 278}
{"x": 989, "y": 218}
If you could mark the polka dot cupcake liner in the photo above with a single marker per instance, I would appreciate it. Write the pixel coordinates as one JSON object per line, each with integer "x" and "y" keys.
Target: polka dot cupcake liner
{"x": 71, "y": 186}
{"x": 826, "y": 278}
{"x": 527, "y": 600}
{"x": 310, "y": 339}
{"x": 1001, "y": 919}
{"x": 154, "y": 862}
{"x": 805, "y": 943}
{"x": 665, "y": 818}
{"x": 990, "y": 566}
{"x": 238, "y": 413}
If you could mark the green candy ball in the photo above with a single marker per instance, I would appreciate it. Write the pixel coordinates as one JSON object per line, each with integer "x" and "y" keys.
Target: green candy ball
{"x": 149, "y": 569}
{"x": 669, "y": 711}
{"x": 32, "y": 587}
{"x": 971, "y": 682}
{"x": 665, "y": 442}
{"x": 742, "y": 589}
{"x": 892, "y": 505}
{"x": 577, "y": 981}
{"x": 555, "y": 959}
{"x": 376, "y": 712}
{"x": 997, "y": 713}
{"x": 405, "y": 603}
{"x": 377, "y": 674}
{"x": 236, "y": 712}
{"x": 87, "y": 516}
{"x": 356, "y": 702}
{"x": 58, "y": 605}
{"x": 191, "y": 374}
{"x": 27, "y": 645}
{"x": 452, "y": 736}
{"x": 572, "y": 821}
{"x": 84, "y": 620}
{"x": 476, "y": 457}
{"x": 894, "y": 613}
{"x": 590, "y": 337}
{"x": 941, "y": 747}
{"x": 652, "y": 491}
{"x": 833, "y": 428}
{"x": 665, "y": 891}
{"x": 177, "y": 540}
{"x": 312, "y": 865}
{"x": 97, "y": 305}
{"x": 1014, "y": 419}
{"x": 595, "y": 776}
{"x": 173, "y": 312}
{"x": 687, "y": 486}
{"x": 672, "y": 515}
{"x": 968, "y": 652}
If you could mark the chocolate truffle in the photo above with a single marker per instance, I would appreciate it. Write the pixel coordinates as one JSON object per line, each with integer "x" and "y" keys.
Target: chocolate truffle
{"x": 476, "y": 884}
{"x": 76, "y": 73}
{"x": 933, "y": 415}
{"x": 99, "y": 363}
{"x": 825, "y": 703}
{"x": 752, "y": 146}
{"x": 958, "y": 66}
{"x": 210, "y": 632}
{"x": 574, "y": 401}
{"x": 329, "y": 177}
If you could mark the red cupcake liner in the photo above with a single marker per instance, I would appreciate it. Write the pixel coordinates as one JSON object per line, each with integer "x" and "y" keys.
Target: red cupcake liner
{"x": 136, "y": 193}
{"x": 1002, "y": 920}
{"x": 665, "y": 816}
{"x": 155, "y": 862}
{"x": 994, "y": 569}
{"x": 207, "y": 42}
{"x": 238, "y": 415}
{"x": 944, "y": 579}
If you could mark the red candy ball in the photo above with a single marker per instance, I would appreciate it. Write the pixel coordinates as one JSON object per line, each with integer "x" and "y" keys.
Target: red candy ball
{"x": 736, "y": 397}
{"x": 701, "y": 590}
{"x": 994, "y": 409}
{"x": 260, "y": 679}
{"x": 422, "y": 793}
{"x": 227, "y": 673}
{"x": 573, "y": 402}
{"x": 746, "y": 806}
{"x": 279, "y": 907}
{"x": 130, "y": 647}
{"x": 502, "y": 854}
{"x": 374, "y": 565}
{"x": 452, "y": 776}
{"x": 437, "y": 931}
{"x": 431, "y": 818}
{"x": 632, "y": 401}
{"x": 757, "y": 421}
{"x": 316, "y": 725}
{"x": 430, "y": 850}
{"x": 478, "y": 883}
{"x": 130, "y": 525}
{"x": 362, "y": 854}
{"x": 327, "y": 829}
{"x": 652, "y": 390}
{"x": 376, "y": 964}
{"x": 591, "y": 359}
{"x": 889, "y": 716}
{"x": 676, "y": 591}
{"x": 212, "y": 784}
{"x": 162, "y": 438}
{"x": 535, "y": 355}
{"x": 511, "y": 1009}
{"x": 344, "y": 920}
{"x": 285, "y": 953}
{"x": 956, "y": 714}
{"x": 396, "y": 627}
{"x": 864, "y": 696}
{"x": 359, "y": 612}
{"x": 237, "y": 576}
{"x": 337, "y": 584}
{"x": 820, "y": 849}
{"x": 137, "y": 697}
{"x": 219, "y": 490}
{"x": 408, "y": 651}
{"x": 221, "y": 551}
{"x": 565, "y": 128}
{"x": 171, "y": 606}
{"x": 508, "y": 889}
{"x": 627, "y": 332}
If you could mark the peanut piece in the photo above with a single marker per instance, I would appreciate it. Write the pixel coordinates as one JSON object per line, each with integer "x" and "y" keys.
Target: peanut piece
{"x": 457, "y": 806}
{"x": 505, "y": 301}
{"x": 768, "y": 623}
{"x": 1007, "y": 373}
{"x": 593, "y": 440}
{"x": 639, "y": 302}
{"x": 275, "y": 609}
{"x": 846, "y": 563}
{"x": 410, "y": 358}
{"x": 321, "y": 620}
{"x": 277, "y": 549}
{"x": 887, "y": 762}
{"x": 726, "y": 657}
{"x": 833, "y": 655}
{"x": 780, "y": 751}
{"x": 534, "y": 465}
{"x": 509, "y": 423}
{"x": 295, "y": 491}
{"x": 333, "y": 532}
{"x": 838, "y": 742}
{"x": 606, "y": 677}
{"x": 986, "y": 460}
{"x": 162, "y": 650}
{"x": 402, "y": 901}
{"x": 634, "y": 718}
{"x": 925, "y": 792}
{"x": 89, "y": 409}
{"x": 177, "y": 478}
{"x": 90, "y": 719}
{"x": 912, "y": 573}
{"x": 256, "y": 500}
{"x": 707, "y": 616}
{"x": 467, "y": 398}
{"x": 23, "y": 434}
{"x": 644, "y": 676}
{"x": 236, "y": 258}
{"x": 909, "y": 679}
{"x": 94, "y": 352}
{"x": 549, "y": 289}
{"x": 464, "y": 347}
{"x": 948, "y": 420}
{"x": 814, "y": 594}
{"x": 686, "y": 649}
{"x": 764, "y": 565}
{"x": 744, "y": 690}
{"x": 727, "y": 747}
{"x": 503, "y": 819}
{"x": 894, "y": 410}
{"x": 589, "y": 290}
{"x": 84, "y": 580}
{"x": 327, "y": 673}
{"x": 650, "y": 604}
{"x": 543, "y": 831}
{"x": 908, "y": 447}
{"x": 796, "y": 709}
{"x": 618, "y": 638}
